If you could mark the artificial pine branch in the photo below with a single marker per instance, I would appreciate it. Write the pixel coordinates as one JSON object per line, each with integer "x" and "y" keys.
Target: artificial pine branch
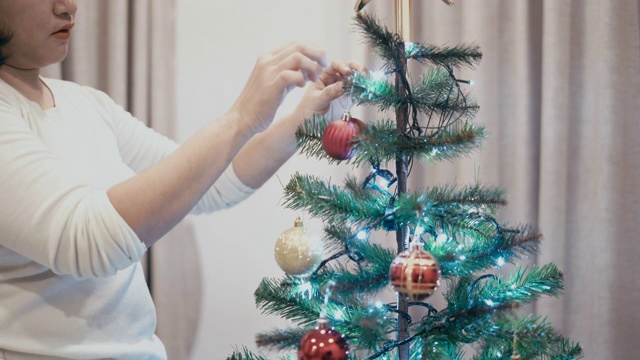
{"x": 438, "y": 348}
{"x": 281, "y": 297}
{"x": 273, "y": 297}
{"x": 437, "y": 94}
{"x": 361, "y": 284}
{"x": 440, "y": 95}
{"x": 337, "y": 235}
{"x": 471, "y": 196}
{"x": 385, "y": 43}
{"x": 280, "y": 339}
{"x": 371, "y": 89}
{"x": 370, "y": 276}
{"x": 383, "y": 142}
{"x": 536, "y": 340}
{"x": 331, "y": 203}
{"x": 416, "y": 207}
{"x": 523, "y": 286}
{"x": 467, "y": 257}
{"x": 246, "y": 354}
{"x": 359, "y": 324}
{"x": 472, "y": 294}
{"x": 462, "y": 55}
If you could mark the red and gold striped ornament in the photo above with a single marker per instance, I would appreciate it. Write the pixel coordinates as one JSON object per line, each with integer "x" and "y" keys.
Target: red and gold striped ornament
{"x": 415, "y": 273}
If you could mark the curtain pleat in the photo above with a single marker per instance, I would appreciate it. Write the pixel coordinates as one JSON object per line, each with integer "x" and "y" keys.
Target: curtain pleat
{"x": 590, "y": 170}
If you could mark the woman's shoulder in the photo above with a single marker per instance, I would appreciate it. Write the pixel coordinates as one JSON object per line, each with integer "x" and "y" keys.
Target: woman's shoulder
{"x": 77, "y": 91}
{"x": 58, "y": 85}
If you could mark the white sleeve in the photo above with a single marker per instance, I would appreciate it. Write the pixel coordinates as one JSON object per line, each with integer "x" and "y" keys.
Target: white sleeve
{"x": 227, "y": 191}
{"x": 141, "y": 147}
{"x": 49, "y": 216}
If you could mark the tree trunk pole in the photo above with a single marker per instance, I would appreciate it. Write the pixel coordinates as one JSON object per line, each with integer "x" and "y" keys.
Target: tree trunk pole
{"x": 403, "y": 27}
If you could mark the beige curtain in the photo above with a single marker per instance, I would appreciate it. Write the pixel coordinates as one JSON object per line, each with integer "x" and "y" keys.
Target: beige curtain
{"x": 559, "y": 90}
{"x": 127, "y": 49}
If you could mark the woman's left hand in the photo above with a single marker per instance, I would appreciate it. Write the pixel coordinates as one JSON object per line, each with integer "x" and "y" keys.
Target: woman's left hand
{"x": 320, "y": 94}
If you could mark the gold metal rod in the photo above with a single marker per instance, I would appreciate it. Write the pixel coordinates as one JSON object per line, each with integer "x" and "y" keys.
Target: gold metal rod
{"x": 403, "y": 18}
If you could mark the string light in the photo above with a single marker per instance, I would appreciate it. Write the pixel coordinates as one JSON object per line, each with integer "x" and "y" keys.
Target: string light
{"x": 306, "y": 290}
{"x": 442, "y": 237}
{"x": 410, "y": 48}
{"x": 500, "y": 262}
{"x": 378, "y": 75}
{"x": 362, "y": 235}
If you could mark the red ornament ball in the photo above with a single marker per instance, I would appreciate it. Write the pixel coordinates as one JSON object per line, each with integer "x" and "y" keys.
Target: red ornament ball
{"x": 323, "y": 343}
{"x": 415, "y": 273}
{"x": 338, "y": 138}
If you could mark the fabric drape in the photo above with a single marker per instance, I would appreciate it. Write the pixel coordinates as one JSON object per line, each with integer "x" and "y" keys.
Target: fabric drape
{"x": 558, "y": 87}
{"x": 127, "y": 49}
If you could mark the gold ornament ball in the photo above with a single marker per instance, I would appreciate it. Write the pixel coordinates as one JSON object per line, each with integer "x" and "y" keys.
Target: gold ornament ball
{"x": 298, "y": 250}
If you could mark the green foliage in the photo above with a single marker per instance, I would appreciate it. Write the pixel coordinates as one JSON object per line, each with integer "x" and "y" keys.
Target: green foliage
{"x": 246, "y": 354}
{"x": 383, "y": 142}
{"x": 536, "y": 340}
{"x": 437, "y": 94}
{"x": 463, "y": 55}
{"x": 331, "y": 203}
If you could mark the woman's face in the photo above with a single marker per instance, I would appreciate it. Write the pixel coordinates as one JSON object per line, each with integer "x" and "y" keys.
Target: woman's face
{"x": 39, "y": 31}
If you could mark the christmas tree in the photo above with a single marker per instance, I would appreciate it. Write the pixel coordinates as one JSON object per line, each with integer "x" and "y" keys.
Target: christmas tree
{"x": 448, "y": 240}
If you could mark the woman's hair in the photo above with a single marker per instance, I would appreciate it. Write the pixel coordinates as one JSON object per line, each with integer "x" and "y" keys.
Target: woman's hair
{"x": 5, "y": 37}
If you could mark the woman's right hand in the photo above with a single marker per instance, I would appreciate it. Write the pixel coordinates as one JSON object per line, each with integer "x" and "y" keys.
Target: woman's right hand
{"x": 275, "y": 74}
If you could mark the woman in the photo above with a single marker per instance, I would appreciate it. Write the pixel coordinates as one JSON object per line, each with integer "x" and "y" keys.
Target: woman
{"x": 85, "y": 188}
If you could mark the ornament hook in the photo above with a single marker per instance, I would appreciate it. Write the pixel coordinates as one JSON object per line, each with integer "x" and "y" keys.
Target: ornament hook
{"x": 323, "y": 312}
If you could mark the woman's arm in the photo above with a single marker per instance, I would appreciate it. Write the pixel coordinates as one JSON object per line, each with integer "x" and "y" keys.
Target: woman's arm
{"x": 156, "y": 199}
{"x": 261, "y": 157}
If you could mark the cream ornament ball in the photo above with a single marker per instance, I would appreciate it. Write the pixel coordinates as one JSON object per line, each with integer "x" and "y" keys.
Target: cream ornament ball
{"x": 298, "y": 250}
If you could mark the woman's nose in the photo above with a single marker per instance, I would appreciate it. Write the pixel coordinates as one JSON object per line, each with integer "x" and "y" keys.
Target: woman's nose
{"x": 65, "y": 8}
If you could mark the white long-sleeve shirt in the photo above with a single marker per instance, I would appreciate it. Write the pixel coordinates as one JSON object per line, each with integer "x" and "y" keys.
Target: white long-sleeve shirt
{"x": 71, "y": 284}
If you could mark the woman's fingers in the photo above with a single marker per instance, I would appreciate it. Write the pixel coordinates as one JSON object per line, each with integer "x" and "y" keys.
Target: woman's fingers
{"x": 274, "y": 75}
{"x": 340, "y": 70}
{"x": 309, "y": 68}
{"x": 316, "y": 54}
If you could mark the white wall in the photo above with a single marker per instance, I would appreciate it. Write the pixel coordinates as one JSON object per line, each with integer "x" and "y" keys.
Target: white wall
{"x": 218, "y": 43}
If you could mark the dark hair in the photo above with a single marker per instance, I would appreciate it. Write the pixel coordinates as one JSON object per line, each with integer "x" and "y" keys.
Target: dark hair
{"x": 5, "y": 37}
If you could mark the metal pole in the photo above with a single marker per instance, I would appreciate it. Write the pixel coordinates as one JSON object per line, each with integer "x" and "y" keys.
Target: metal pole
{"x": 403, "y": 27}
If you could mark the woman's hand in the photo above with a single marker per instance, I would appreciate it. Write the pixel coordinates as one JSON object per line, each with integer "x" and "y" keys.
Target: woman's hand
{"x": 273, "y": 77}
{"x": 320, "y": 95}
